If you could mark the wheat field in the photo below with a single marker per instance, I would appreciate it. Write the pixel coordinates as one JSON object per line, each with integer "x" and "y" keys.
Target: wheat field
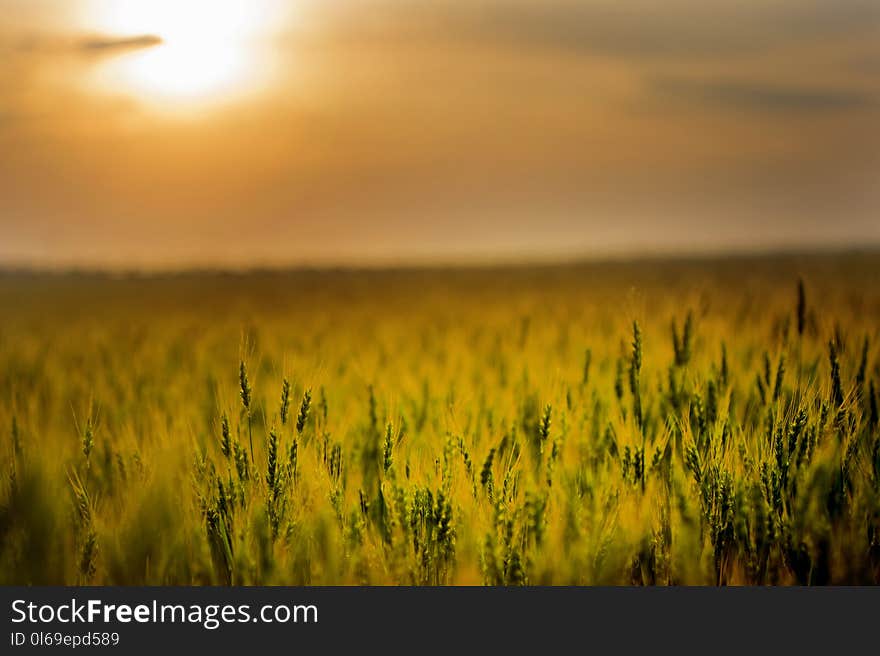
{"x": 657, "y": 422}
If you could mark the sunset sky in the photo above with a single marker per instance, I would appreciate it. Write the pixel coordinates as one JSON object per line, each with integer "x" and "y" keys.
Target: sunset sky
{"x": 163, "y": 133}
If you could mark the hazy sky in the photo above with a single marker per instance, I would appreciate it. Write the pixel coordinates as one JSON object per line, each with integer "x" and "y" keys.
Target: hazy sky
{"x": 216, "y": 132}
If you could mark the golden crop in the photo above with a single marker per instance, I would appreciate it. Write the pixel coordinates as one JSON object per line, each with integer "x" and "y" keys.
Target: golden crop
{"x": 681, "y": 422}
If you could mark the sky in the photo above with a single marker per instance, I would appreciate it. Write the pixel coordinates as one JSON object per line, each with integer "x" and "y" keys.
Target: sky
{"x": 218, "y": 133}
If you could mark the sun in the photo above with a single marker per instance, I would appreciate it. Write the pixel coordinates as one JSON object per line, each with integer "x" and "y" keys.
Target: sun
{"x": 210, "y": 49}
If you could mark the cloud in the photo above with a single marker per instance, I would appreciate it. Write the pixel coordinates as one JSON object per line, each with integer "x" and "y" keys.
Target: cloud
{"x": 102, "y": 44}
{"x": 636, "y": 28}
{"x": 97, "y": 45}
{"x": 761, "y": 96}
{"x": 39, "y": 68}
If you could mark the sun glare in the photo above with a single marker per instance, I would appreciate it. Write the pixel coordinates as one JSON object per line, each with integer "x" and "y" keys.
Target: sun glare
{"x": 210, "y": 49}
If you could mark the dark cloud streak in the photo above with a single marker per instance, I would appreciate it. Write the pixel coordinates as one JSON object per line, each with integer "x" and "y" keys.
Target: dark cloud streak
{"x": 761, "y": 96}
{"x": 102, "y": 44}
{"x": 97, "y": 45}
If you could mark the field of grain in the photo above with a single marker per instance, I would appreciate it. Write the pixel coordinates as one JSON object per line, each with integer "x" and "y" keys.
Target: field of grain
{"x": 662, "y": 422}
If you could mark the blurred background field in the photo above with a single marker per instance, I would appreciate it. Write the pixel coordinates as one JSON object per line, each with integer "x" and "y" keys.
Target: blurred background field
{"x": 701, "y": 421}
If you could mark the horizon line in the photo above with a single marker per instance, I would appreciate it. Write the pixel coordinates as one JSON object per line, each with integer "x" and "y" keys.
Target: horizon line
{"x": 466, "y": 263}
